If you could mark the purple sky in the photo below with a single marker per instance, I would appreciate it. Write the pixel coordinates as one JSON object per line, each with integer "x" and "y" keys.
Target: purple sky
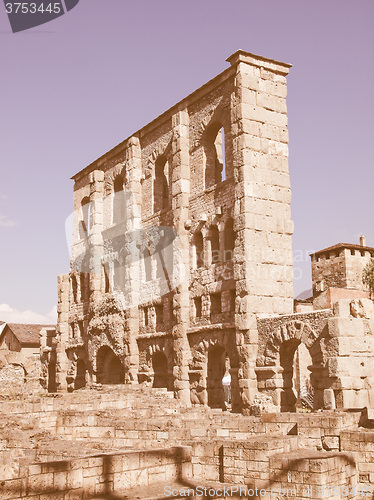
{"x": 73, "y": 88}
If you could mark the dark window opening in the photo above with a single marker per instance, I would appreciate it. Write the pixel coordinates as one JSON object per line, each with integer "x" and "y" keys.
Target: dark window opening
{"x": 171, "y": 311}
{"x": 109, "y": 367}
{"x": 232, "y": 300}
{"x": 145, "y": 316}
{"x": 199, "y": 250}
{"x": 198, "y": 307}
{"x": 161, "y": 185}
{"x": 74, "y": 286}
{"x": 159, "y": 312}
{"x": 214, "y": 244}
{"x": 215, "y": 157}
{"x": 106, "y": 281}
{"x": 85, "y": 222}
{"x": 215, "y": 304}
{"x": 160, "y": 370}
{"x": 118, "y": 200}
{"x": 229, "y": 239}
{"x": 80, "y": 379}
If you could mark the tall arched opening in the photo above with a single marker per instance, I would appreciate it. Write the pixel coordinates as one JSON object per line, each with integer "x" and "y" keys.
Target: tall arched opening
{"x": 215, "y": 372}
{"x": 160, "y": 370}
{"x": 80, "y": 378}
{"x": 109, "y": 369}
{"x": 52, "y": 385}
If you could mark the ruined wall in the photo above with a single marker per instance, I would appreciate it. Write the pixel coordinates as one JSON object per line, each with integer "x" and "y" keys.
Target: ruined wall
{"x": 340, "y": 346}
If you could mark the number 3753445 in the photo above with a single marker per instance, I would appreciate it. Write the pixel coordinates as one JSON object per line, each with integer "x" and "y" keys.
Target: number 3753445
{"x": 33, "y": 8}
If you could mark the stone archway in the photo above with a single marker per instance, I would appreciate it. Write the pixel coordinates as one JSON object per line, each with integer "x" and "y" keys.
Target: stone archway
{"x": 109, "y": 368}
{"x": 211, "y": 360}
{"x": 283, "y": 370}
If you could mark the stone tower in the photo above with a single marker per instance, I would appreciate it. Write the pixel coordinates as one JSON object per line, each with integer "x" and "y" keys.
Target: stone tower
{"x": 337, "y": 273}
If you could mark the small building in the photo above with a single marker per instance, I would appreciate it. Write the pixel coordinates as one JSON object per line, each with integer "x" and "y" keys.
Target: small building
{"x": 337, "y": 273}
{"x": 22, "y": 338}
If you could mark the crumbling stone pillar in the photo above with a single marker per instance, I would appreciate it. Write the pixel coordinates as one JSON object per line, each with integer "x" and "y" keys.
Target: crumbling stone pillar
{"x": 180, "y": 203}
{"x": 263, "y": 257}
{"x": 132, "y": 259}
{"x": 63, "y": 306}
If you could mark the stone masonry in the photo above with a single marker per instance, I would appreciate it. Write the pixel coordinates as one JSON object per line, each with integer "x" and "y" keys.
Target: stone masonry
{"x": 181, "y": 279}
{"x": 181, "y": 268}
{"x": 213, "y": 168}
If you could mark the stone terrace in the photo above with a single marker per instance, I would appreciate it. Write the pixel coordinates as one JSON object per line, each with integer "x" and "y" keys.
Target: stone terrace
{"x": 112, "y": 440}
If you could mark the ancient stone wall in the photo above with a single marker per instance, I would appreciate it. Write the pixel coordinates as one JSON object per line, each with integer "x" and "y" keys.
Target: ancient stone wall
{"x": 214, "y": 170}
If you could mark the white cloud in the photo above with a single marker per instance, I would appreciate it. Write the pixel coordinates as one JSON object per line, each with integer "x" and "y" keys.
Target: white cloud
{"x": 11, "y": 315}
{"x": 5, "y": 222}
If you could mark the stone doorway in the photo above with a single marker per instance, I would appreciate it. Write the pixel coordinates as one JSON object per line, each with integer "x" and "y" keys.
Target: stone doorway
{"x": 109, "y": 369}
{"x": 297, "y": 391}
{"x": 80, "y": 379}
{"x": 215, "y": 373}
{"x": 52, "y": 384}
{"x": 160, "y": 370}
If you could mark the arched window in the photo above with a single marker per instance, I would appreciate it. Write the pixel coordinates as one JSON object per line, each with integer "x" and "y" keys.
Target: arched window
{"x": 214, "y": 245}
{"x": 198, "y": 250}
{"x": 229, "y": 240}
{"x": 161, "y": 185}
{"x": 85, "y": 222}
{"x": 119, "y": 206}
{"x": 215, "y": 158}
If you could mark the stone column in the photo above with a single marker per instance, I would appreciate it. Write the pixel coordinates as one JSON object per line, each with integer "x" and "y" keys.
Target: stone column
{"x": 62, "y": 331}
{"x": 132, "y": 263}
{"x": 180, "y": 190}
{"x": 95, "y": 237}
{"x": 263, "y": 254}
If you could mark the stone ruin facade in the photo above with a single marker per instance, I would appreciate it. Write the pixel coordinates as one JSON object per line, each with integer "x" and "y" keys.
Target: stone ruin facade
{"x": 180, "y": 278}
{"x": 181, "y": 263}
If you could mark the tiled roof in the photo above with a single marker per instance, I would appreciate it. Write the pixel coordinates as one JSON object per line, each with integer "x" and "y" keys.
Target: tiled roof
{"x": 343, "y": 245}
{"x": 27, "y": 334}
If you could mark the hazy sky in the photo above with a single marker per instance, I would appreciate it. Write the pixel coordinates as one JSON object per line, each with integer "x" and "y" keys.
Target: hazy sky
{"x": 75, "y": 87}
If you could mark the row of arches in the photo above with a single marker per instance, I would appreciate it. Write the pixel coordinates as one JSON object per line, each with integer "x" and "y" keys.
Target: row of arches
{"x": 110, "y": 370}
{"x": 217, "y": 245}
{"x": 214, "y": 374}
